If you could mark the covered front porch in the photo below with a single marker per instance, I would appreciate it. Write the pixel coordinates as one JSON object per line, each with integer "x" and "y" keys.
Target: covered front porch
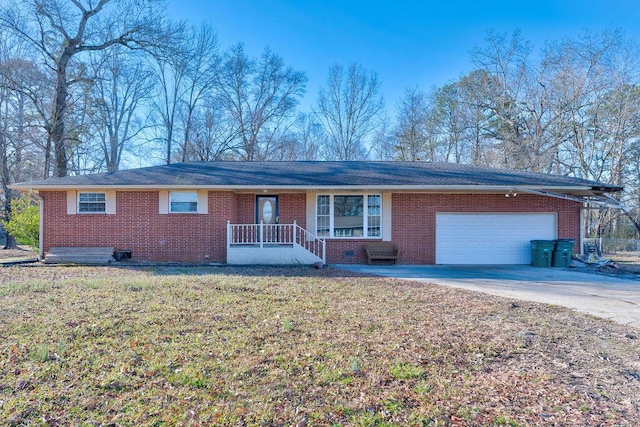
{"x": 273, "y": 244}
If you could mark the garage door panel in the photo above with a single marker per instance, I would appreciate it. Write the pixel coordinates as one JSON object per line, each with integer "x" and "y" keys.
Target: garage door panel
{"x": 500, "y": 232}
{"x": 455, "y": 233}
{"x": 490, "y": 238}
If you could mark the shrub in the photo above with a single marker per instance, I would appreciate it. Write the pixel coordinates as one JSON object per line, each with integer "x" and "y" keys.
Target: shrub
{"x": 24, "y": 221}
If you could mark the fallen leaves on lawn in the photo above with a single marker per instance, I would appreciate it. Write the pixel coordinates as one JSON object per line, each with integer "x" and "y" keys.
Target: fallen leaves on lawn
{"x": 295, "y": 346}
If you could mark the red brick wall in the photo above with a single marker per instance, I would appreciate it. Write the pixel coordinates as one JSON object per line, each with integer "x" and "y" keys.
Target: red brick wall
{"x": 139, "y": 227}
{"x": 246, "y": 208}
{"x": 347, "y": 251}
{"x": 293, "y": 207}
{"x": 414, "y": 217}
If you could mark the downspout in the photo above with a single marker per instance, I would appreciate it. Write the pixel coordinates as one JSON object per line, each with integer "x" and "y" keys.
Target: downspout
{"x": 582, "y": 227}
{"x": 41, "y": 222}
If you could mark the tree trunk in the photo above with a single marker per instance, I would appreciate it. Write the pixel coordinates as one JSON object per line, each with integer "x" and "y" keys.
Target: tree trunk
{"x": 11, "y": 242}
{"x": 60, "y": 107}
{"x": 47, "y": 157}
{"x": 169, "y": 138}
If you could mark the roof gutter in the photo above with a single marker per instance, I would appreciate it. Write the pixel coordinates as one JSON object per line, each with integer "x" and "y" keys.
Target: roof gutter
{"x": 495, "y": 188}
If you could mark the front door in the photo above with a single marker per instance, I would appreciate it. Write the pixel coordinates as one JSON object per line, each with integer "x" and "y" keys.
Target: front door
{"x": 267, "y": 214}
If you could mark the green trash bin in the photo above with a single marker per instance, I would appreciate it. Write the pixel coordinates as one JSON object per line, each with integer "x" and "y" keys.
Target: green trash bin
{"x": 562, "y": 253}
{"x": 541, "y": 252}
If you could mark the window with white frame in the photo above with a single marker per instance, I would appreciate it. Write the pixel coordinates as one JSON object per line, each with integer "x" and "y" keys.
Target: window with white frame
{"x": 323, "y": 222}
{"x": 92, "y": 202}
{"x": 374, "y": 209}
{"x": 183, "y": 202}
{"x": 349, "y": 216}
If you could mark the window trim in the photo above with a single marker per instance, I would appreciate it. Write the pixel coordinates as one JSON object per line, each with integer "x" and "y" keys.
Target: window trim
{"x": 365, "y": 216}
{"x": 197, "y": 211}
{"x": 78, "y": 203}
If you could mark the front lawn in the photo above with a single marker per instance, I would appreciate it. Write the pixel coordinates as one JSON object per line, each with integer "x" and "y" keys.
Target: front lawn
{"x": 111, "y": 346}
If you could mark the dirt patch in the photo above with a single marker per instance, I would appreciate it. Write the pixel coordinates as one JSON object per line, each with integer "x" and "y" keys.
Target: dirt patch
{"x": 626, "y": 265}
{"x": 627, "y": 261}
{"x": 20, "y": 253}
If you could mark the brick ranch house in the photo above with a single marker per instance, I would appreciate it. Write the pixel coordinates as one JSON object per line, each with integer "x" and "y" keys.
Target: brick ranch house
{"x": 304, "y": 212}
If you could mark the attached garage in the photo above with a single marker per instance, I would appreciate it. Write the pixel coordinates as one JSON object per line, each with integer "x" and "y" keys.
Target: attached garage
{"x": 490, "y": 238}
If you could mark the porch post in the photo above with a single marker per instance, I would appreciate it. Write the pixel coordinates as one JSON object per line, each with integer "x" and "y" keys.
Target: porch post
{"x": 261, "y": 235}
{"x": 295, "y": 226}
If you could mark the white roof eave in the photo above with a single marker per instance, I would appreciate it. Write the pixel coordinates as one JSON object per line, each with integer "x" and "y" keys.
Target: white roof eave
{"x": 261, "y": 188}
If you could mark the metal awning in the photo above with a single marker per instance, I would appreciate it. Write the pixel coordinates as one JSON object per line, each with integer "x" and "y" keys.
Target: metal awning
{"x": 599, "y": 200}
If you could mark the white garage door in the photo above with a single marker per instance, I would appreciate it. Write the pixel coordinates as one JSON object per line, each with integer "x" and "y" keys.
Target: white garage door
{"x": 490, "y": 238}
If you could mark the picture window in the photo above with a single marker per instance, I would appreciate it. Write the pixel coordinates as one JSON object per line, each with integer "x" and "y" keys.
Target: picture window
{"x": 349, "y": 216}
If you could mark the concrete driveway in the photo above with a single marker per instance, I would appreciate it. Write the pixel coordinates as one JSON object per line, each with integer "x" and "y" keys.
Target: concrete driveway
{"x": 607, "y": 297}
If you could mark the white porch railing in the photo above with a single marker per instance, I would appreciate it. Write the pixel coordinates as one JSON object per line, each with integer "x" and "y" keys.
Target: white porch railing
{"x": 271, "y": 235}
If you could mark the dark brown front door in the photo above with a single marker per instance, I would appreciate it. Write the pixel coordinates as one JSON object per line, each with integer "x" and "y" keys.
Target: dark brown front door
{"x": 267, "y": 214}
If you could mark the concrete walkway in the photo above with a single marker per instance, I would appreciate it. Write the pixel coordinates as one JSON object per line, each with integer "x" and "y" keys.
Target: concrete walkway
{"x": 602, "y": 296}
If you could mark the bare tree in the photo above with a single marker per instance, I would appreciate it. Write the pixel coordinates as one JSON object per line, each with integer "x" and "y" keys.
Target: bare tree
{"x": 449, "y": 114}
{"x": 201, "y": 64}
{"x": 170, "y": 73}
{"x": 19, "y": 155}
{"x": 349, "y": 108}
{"x": 474, "y": 89}
{"x": 411, "y": 134}
{"x": 185, "y": 74}
{"x": 32, "y": 88}
{"x": 594, "y": 81}
{"x": 5, "y": 153}
{"x": 62, "y": 30}
{"x": 575, "y": 110}
{"x": 261, "y": 96}
{"x": 81, "y": 145}
{"x": 301, "y": 141}
{"x": 310, "y": 137}
{"x": 506, "y": 61}
{"x": 122, "y": 85}
{"x": 601, "y": 124}
{"x": 215, "y": 133}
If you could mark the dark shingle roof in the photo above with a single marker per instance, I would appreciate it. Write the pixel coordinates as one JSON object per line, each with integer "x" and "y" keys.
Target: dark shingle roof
{"x": 319, "y": 174}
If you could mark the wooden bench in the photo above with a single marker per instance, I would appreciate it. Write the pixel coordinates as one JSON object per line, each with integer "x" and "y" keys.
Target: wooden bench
{"x": 381, "y": 251}
{"x": 65, "y": 255}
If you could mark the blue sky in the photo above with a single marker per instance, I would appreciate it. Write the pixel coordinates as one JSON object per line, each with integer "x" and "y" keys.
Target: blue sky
{"x": 408, "y": 43}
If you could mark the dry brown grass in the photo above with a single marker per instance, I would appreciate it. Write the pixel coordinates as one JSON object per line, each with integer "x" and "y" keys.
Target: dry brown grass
{"x": 267, "y": 346}
{"x": 21, "y": 253}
